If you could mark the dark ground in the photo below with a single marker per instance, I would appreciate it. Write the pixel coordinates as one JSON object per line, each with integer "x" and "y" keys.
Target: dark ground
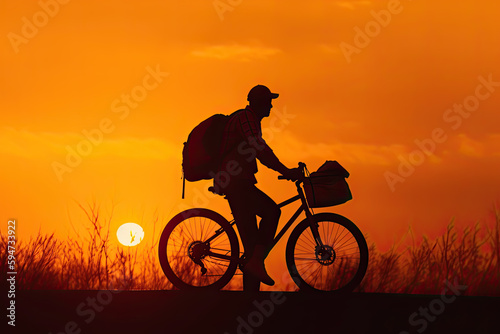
{"x": 237, "y": 312}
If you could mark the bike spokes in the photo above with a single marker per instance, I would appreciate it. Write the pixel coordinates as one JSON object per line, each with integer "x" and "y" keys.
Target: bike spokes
{"x": 194, "y": 259}
{"x": 332, "y": 264}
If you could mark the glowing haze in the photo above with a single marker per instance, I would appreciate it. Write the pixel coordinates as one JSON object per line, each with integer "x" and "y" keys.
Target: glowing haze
{"x": 98, "y": 97}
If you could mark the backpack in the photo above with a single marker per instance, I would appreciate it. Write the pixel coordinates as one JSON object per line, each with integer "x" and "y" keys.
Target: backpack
{"x": 202, "y": 153}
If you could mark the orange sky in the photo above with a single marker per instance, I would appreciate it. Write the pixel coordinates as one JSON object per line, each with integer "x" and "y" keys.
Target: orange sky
{"x": 70, "y": 75}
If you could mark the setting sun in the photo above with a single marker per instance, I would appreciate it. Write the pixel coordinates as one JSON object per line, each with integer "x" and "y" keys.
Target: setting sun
{"x": 130, "y": 234}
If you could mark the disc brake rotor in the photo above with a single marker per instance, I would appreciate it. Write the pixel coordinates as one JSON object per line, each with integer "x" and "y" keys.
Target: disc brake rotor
{"x": 325, "y": 255}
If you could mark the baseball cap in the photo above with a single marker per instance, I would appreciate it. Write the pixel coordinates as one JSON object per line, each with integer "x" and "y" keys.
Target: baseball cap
{"x": 261, "y": 92}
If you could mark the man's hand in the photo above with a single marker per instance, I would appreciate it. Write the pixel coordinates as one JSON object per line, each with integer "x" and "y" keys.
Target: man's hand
{"x": 294, "y": 174}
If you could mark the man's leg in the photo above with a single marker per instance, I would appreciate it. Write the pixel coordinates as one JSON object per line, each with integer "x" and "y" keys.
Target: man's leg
{"x": 270, "y": 213}
{"x": 247, "y": 201}
{"x": 250, "y": 283}
{"x": 245, "y": 217}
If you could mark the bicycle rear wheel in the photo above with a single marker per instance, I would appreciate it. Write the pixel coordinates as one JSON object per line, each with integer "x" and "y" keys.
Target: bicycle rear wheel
{"x": 338, "y": 265}
{"x": 199, "y": 249}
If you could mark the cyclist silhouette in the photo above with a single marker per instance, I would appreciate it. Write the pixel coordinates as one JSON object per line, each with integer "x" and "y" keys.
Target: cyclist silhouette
{"x": 242, "y": 144}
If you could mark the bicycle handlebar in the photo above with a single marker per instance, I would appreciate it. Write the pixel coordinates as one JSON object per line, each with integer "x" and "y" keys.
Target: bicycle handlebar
{"x": 301, "y": 165}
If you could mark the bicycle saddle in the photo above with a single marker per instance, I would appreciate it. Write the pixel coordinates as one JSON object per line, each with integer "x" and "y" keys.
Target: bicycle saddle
{"x": 213, "y": 190}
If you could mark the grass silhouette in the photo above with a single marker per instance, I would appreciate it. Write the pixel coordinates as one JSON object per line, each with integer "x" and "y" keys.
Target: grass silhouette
{"x": 88, "y": 262}
{"x": 469, "y": 257}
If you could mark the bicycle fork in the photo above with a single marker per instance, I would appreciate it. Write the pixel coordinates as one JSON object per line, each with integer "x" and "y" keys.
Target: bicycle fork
{"x": 314, "y": 228}
{"x": 325, "y": 254}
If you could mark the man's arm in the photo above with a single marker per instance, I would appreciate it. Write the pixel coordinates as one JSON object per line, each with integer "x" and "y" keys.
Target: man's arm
{"x": 251, "y": 130}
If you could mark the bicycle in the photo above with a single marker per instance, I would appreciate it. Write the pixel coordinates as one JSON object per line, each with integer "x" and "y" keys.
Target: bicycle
{"x": 199, "y": 249}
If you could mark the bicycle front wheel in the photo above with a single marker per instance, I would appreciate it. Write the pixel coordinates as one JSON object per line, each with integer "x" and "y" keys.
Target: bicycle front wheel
{"x": 337, "y": 264}
{"x": 199, "y": 249}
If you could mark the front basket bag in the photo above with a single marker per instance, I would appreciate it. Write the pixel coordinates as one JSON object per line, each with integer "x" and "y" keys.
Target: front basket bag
{"x": 327, "y": 186}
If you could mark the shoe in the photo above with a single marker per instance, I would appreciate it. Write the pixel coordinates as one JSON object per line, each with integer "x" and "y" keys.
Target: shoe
{"x": 255, "y": 266}
{"x": 259, "y": 271}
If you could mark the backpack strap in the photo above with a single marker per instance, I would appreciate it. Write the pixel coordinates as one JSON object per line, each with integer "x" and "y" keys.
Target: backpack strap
{"x": 183, "y": 184}
{"x": 183, "y": 179}
{"x": 223, "y": 154}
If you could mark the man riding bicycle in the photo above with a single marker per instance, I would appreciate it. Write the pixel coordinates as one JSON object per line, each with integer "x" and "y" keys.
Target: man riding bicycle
{"x": 242, "y": 144}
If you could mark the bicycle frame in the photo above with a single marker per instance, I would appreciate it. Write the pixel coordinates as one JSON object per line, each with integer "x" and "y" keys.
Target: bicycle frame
{"x": 303, "y": 208}
{"x": 206, "y": 251}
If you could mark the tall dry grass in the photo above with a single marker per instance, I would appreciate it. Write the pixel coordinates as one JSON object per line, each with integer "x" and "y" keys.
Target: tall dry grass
{"x": 470, "y": 257}
{"x": 85, "y": 262}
